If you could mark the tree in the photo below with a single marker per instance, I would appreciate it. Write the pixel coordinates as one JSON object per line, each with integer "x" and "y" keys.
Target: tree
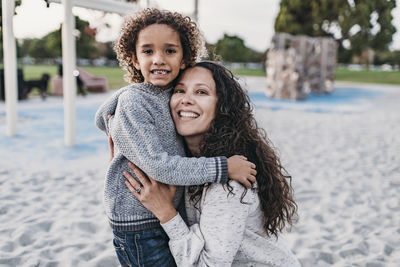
{"x": 50, "y": 45}
{"x": 388, "y": 57}
{"x": 231, "y": 48}
{"x": 109, "y": 52}
{"x": 85, "y": 44}
{"x": 358, "y": 25}
{"x": 23, "y": 47}
{"x": 17, "y": 3}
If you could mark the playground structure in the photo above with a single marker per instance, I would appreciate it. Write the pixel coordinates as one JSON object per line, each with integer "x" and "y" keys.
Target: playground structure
{"x": 68, "y": 59}
{"x": 298, "y": 65}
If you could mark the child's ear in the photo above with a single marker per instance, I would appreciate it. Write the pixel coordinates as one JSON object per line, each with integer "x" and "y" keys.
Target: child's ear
{"x": 135, "y": 61}
{"x": 183, "y": 65}
{"x": 136, "y": 64}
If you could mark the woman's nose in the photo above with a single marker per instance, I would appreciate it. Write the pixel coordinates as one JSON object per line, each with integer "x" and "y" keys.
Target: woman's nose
{"x": 187, "y": 99}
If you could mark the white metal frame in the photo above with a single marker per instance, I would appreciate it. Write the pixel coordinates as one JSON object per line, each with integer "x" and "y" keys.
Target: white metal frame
{"x": 110, "y": 6}
{"x": 10, "y": 67}
{"x": 68, "y": 57}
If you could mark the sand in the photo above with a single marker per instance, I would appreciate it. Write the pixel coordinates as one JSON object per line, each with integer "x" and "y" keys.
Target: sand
{"x": 342, "y": 151}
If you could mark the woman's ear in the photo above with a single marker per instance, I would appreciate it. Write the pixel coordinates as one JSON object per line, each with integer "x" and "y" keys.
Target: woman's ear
{"x": 183, "y": 65}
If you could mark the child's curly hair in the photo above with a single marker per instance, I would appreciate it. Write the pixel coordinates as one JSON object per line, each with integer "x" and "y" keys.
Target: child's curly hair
{"x": 125, "y": 46}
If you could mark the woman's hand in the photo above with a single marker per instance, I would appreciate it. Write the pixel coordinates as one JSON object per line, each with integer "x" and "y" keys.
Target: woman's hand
{"x": 242, "y": 170}
{"x": 155, "y": 196}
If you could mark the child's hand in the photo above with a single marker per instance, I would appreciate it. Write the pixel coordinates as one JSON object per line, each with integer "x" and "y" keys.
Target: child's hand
{"x": 155, "y": 196}
{"x": 111, "y": 147}
{"x": 110, "y": 143}
{"x": 241, "y": 170}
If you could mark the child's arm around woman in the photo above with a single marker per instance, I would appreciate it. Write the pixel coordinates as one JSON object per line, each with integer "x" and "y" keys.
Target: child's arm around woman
{"x": 139, "y": 120}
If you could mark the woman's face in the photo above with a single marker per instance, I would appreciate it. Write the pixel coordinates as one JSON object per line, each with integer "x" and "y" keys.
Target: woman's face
{"x": 194, "y": 102}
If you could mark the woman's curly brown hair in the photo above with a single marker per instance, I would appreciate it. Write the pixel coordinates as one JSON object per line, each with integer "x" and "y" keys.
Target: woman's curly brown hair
{"x": 234, "y": 131}
{"x": 125, "y": 46}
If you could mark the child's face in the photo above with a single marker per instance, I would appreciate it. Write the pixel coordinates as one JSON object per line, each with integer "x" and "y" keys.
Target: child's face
{"x": 159, "y": 55}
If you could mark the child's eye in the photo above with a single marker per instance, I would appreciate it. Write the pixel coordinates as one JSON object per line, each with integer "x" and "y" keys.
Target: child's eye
{"x": 171, "y": 51}
{"x": 147, "y": 51}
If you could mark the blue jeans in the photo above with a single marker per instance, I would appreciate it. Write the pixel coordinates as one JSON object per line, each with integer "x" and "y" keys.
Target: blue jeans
{"x": 143, "y": 248}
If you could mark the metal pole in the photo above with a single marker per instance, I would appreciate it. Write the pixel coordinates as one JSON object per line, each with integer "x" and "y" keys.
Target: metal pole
{"x": 10, "y": 67}
{"x": 69, "y": 80}
{"x": 196, "y": 11}
{"x": 111, "y": 6}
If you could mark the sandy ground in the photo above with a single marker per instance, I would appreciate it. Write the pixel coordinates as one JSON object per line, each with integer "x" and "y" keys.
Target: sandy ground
{"x": 342, "y": 151}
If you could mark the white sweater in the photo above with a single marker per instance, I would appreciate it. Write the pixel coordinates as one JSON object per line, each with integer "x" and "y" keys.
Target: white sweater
{"x": 225, "y": 232}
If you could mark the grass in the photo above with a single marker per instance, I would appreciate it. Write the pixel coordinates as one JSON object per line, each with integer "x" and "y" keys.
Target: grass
{"x": 116, "y": 80}
{"x": 249, "y": 72}
{"x": 343, "y": 74}
{"x": 367, "y": 76}
{"x": 115, "y": 75}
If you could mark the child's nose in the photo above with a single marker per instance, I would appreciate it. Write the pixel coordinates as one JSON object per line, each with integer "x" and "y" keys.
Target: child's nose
{"x": 158, "y": 59}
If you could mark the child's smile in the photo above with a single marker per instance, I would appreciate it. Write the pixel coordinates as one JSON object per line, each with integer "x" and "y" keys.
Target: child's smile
{"x": 159, "y": 55}
{"x": 159, "y": 73}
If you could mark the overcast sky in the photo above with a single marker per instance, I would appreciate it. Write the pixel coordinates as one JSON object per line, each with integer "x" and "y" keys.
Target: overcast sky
{"x": 251, "y": 20}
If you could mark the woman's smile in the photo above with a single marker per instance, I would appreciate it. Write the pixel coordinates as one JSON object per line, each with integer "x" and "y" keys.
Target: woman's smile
{"x": 188, "y": 114}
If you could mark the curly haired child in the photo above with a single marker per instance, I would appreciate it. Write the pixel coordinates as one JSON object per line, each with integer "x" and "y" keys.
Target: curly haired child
{"x": 153, "y": 47}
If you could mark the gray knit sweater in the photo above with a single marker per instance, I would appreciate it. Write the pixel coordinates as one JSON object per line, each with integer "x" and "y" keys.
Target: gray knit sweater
{"x": 144, "y": 133}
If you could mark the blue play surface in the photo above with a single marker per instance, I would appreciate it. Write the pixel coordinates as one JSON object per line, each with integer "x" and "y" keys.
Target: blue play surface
{"x": 340, "y": 100}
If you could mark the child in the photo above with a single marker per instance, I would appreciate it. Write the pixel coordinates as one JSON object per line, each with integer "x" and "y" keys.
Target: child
{"x": 154, "y": 46}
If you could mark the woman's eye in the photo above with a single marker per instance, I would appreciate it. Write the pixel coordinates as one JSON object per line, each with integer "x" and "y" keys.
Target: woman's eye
{"x": 179, "y": 91}
{"x": 202, "y": 92}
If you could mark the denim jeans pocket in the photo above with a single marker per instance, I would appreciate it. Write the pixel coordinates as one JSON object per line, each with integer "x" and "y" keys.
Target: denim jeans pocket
{"x": 155, "y": 249}
{"x": 120, "y": 249}
{"x": 120, "y": 236}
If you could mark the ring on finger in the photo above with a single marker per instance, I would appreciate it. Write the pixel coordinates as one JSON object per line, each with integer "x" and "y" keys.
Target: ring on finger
{"x": 138, "y": 189}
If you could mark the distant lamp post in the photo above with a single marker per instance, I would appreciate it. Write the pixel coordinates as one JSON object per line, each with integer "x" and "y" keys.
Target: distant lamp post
{"x": 196, "y": 10}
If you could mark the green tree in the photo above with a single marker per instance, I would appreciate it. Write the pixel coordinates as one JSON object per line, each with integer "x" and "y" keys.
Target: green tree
{"x": 17, "y": 3}
{"x": 23, "y": 47}
{"x": 231, "y": 48}
{"x": 50, "y": 45}
{"x": 85, "y": 43}
{"x": 109, "y": 51}
{"x": 388, "y": 57}
{"x": 37, "y": 49}
{"x": 357, "y": 25}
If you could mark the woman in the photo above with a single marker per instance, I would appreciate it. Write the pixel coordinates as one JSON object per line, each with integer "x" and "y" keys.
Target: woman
{"x": 239, "y": 227}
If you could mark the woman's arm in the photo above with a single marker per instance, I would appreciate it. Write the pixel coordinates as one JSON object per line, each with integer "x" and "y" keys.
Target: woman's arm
{"x": 215, "y": 240}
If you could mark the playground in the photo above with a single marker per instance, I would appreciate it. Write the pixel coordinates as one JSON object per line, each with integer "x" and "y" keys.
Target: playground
{"x": 341, "y": 150}
{"x": 340, "y": 145}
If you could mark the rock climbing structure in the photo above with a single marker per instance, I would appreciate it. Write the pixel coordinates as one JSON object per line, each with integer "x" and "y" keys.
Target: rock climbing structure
{"x": 298, "y": 65}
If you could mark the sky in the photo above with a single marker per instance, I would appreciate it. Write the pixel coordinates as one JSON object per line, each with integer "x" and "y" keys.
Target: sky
{"x": 251, "y": 20}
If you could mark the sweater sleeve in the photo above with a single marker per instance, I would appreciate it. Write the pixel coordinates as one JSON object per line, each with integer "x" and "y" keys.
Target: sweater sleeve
{"x": 134, "y": 133}
{"x": 215, "y": 240}
{"x": 107, "y": 108}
